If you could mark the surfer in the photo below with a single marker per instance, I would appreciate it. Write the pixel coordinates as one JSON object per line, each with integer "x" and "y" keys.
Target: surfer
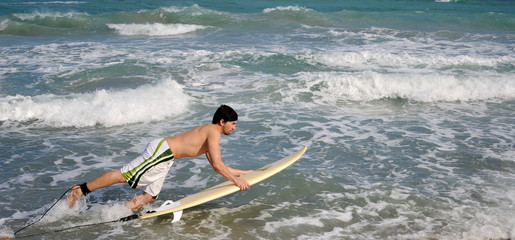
{"x": 148, "y": 171}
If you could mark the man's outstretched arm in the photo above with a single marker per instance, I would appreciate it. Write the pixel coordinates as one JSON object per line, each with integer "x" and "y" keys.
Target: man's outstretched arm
{"x": 215, "y": 159}
{"x": 223, "y": 170}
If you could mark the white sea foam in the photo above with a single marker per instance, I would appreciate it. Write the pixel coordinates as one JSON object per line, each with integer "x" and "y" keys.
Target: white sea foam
{"x": 285, "y": 8}
{"x": 336, "y": 233}
{"x": 424, "y": 87}
{"x": 82, "y": 214}
{"x": 6, "y": 232}
{"x": 367, "y": 58}
{"x": 104, "y": 107}
{"x": 175, "y": 9}
{"x": 155, "y": 29}
{"x": 317, "y": 220}
{"x": 63, "y": 60}
{"x": 3, "y": 24}
{"x": 52, "y": 15}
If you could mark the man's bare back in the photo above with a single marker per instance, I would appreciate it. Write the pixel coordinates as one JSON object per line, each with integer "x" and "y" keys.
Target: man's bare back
{"x": 192, "y": 143}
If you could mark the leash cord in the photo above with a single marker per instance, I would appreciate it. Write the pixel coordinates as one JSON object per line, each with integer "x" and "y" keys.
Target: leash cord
{"x": 43, "y": 213}
{"x": 124, "y": 219}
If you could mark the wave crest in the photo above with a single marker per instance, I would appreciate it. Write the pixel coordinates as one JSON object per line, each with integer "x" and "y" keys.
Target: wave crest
{"x": 286, "y": 8}
{"x": 103, "y": 107}
{"x": 155, "y": 29}
{"x": 369, "y": 86}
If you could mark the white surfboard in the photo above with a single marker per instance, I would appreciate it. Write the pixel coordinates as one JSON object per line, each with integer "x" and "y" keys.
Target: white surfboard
{"x": 225, "y": 188}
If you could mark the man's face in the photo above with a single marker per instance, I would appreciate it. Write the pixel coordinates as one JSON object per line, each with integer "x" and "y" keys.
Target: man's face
{"x": 228, "y": 127}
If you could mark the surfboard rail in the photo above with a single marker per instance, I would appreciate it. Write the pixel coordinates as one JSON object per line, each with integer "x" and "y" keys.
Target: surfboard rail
{"x": 228, "y": 187}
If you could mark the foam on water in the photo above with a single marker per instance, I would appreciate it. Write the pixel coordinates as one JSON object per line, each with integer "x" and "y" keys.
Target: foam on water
{"x": 286, "y": 8}
{"x": 49, "y": 15}
{"x": 108, "y": 108}
{"x": 61, "y": 216}
{"x": 426, "y": 88}
{"x": 443, "y": 166}
{"x": 386, "y": 60}
{"x": 155, "y": 29}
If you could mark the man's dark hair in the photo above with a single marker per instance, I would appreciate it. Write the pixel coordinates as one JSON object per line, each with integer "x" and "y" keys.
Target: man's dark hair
{"x": 226, "y": 113}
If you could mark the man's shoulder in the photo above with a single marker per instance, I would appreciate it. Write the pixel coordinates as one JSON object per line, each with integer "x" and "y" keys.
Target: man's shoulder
{"x": 208, "y": 128}
{"x": 209, "y": 131}
{"x": 199, "y": 130}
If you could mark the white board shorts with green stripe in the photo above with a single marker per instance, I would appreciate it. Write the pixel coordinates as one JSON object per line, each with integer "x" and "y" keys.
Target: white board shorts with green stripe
{"x": 148, "y": 171}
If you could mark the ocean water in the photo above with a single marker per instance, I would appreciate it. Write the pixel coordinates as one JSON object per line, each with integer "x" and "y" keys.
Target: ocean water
{"x": 407, "y": 109}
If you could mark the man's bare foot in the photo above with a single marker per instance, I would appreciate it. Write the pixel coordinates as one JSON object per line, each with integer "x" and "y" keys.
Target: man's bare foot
{"x": 75, "y": 194}
{"x": 139, "y": 201}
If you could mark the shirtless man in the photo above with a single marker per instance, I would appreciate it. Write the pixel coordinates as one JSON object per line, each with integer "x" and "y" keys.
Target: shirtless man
{"x": 148, "y": 171}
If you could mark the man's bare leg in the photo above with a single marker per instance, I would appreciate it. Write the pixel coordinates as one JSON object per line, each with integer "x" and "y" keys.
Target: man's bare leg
{"x": 139, "y": 201}
{"x": 104, "y": 180}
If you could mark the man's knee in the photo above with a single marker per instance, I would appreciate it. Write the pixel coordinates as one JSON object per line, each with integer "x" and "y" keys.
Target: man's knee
{"x": 116, "y": 176}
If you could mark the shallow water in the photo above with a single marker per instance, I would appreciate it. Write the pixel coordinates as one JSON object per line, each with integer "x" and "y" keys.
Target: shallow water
{"x": 407, "y": 110}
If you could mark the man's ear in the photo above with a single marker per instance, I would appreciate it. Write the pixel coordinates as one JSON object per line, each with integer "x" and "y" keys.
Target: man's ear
{"x": 222, "y": 122}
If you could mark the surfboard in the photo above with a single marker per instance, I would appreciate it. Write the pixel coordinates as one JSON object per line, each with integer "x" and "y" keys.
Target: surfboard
{"x": 225, "y": 188}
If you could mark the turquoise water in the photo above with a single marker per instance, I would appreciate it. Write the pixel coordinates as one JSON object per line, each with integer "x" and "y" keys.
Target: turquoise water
{"x": 406, "y": 107}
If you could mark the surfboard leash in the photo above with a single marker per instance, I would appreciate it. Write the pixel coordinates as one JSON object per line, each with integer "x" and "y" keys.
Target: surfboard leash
{"x": 30, "y": 224}
{"x": 123, "y": 219}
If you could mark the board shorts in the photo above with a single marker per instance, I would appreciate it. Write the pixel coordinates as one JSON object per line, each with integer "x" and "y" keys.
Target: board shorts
{"x": 148, "y": 171}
